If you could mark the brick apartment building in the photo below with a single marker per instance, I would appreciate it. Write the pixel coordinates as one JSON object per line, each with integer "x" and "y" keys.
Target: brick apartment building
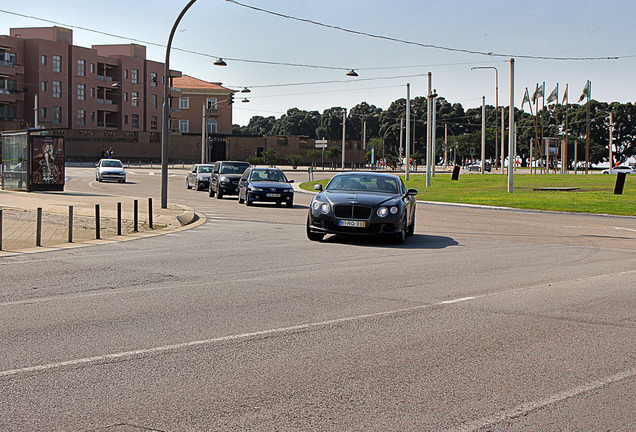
{"x": 100, "y": 97}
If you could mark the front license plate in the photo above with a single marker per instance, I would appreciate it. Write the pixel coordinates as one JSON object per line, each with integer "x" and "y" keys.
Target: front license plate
{"x": 354, "y": 224}
{"x": 272, "y": 195}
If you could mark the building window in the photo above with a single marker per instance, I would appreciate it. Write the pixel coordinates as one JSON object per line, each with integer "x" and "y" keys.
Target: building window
{"x": 211, "y": 103}
{"x": 92, "y": 92}
{"x": 57, "y": 114}
{"x": 43, "y": 86}
{"x": 125, "y": 73}
{"x": 212, "y": 128}
{"x": 135, "y": 98}
{"x": 153, "y": 79}
{"x": 92, "y": 68}
{"x": 135, "y": 121}
{"x": 57, "y": 89}
{"x": 135, "y": 76}
{"x": 153, "y": 122}
{"x": 43, "y": 113}
{"x": 184, "y": 126}
{"x": 184, "y": 103}
{"x": 81, "y": 117}
{"x": 81, "y": 92}
{"x": 125, "y": 96}
{"x": 153, "y": 100}
{"x": 43, "y": 60}
{"x": 57, "y": 63}
{"x": 93, "y": 116}
{"x": 81, "y": 67}
{"x": 126, "y": 119}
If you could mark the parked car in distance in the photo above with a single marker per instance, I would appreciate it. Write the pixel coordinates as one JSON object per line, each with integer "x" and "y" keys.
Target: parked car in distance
{"x": 362, "y": 203}
{"x": 624, "y": 168}
{"x": 110, "y": 169}
{"x": 225, "y": 178}
{"x": 477, "y": 167}
{"x": 265, "y": 185}
{"x": 199, "y": 176}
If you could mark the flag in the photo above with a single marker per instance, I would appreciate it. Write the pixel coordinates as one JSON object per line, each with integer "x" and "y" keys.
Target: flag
{"x": 565, "y": 96}
{"x": 586, "y": 92}
{"x": 539, "y": 92}
{"x": 526, "y": 98}
{"x": 553, "y": 96}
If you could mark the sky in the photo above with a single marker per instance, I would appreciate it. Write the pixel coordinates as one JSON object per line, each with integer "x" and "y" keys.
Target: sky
{"x": 249, "y": 40}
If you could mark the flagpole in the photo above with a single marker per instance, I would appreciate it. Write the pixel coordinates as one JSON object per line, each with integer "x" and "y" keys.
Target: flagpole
{"x": 556, "y": 130}
{"x": 536, "y": 126}
{"x": 566, "y": 131}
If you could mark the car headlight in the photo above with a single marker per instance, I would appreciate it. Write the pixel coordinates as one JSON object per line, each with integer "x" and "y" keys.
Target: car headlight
{"x": 393, "y": 210}
{"x": 323, "y": 207}
{"x": 382, "y": 211}
{"x": 224, "y": 180}
{"x": 256, "y": 189}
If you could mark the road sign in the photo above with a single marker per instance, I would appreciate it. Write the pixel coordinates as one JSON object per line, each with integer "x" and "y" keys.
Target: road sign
{"x": 320, "y": 145}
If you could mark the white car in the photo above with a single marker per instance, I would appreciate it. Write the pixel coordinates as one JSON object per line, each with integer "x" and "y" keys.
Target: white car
{"x": 626, "y": 169}
{"x": 110, "y": 169}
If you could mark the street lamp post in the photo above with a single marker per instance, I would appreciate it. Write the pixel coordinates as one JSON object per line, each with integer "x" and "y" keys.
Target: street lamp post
{"x": 165, "y": 130}
{"x": 496, "y": 114}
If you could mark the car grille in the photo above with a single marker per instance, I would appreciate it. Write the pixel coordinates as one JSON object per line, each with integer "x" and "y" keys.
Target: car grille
{"x": 352, "y": 212}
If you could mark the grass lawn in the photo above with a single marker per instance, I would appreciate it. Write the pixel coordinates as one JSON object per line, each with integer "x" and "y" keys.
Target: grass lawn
{"x": 595, "y": 193}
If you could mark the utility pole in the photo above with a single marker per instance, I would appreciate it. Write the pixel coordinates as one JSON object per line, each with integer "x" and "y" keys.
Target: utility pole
{"x": 483, "y": 135}
{"x": 428, "y": 131}
{"x": 408, "y": 130}
{"x": 344, "y": 129}
{"x": 512, "y": 157}
{"x": 434, "y": 133}
{"x": 611, "y": 141}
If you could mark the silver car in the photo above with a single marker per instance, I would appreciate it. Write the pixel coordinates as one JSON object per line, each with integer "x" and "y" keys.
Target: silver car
{"x": 619, "y": 169}
{"x": 199, "y": 176}
{"x": 110, "y": 169}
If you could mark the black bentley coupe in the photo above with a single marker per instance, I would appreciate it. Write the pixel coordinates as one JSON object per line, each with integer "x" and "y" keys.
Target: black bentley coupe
{"x": 362, "y": 203}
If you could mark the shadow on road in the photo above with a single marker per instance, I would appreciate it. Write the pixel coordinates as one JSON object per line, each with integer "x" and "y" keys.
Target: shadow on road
{"x": 418, "y": 241}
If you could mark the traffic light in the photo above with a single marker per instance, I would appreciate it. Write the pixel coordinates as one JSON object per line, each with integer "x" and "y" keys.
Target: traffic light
{"x": 230, "y": 99}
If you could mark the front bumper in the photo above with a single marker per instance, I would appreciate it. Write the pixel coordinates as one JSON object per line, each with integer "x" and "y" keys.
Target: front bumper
{"x": 264, "y": 196}
{"x": 328, "y": 224}
{"x": 229, "y": 188}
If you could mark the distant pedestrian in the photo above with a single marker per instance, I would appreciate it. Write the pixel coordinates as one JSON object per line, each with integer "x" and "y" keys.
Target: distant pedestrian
{"x": 110, "y": 153}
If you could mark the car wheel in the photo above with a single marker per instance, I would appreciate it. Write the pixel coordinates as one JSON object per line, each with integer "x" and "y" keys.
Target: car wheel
{"x": 401, "y": 236}
{"x": 188, "y": 184}
{"x": 278, "y": 203}
{"x": 210, "y": 191}
{"x": 248, "y": 201}
{"x": 241, "y": 200}
{"x": 99, "y": 179}
{"x": 219, "y": 194}
{"x": 411, "y": 229}
{"x": 606, "y": 173}
{"x": 313, "y": 236}
{"x": 289, "y": 204}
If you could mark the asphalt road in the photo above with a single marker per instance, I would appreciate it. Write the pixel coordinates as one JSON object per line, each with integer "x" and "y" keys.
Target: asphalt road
{"x": 484, "y": 320}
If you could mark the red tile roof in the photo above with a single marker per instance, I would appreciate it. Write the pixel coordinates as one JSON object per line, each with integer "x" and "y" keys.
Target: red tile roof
{"x": 186, "y": 82}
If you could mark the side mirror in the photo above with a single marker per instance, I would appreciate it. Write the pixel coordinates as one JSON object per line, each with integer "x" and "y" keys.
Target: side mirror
{"x": 412, "y": 192}
{"x": 318, "y": 187}
{"x": 291, "y": 181}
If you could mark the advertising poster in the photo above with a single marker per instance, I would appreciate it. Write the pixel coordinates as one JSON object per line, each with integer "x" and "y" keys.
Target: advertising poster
{"x": 48, "y": 161}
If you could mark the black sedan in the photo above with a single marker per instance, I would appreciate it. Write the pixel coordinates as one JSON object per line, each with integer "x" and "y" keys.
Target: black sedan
{"x": 265, "y": 185}
{"x": 362, "y": 203}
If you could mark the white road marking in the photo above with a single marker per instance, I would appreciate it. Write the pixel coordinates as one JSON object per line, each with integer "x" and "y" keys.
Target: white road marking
{"x": 600, "y": 227}
{"x": 524, "y": 409}
{"x": 299, "y": 327}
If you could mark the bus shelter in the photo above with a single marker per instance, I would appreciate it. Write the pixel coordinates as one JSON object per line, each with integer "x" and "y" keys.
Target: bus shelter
{"x": 32, "y": 161}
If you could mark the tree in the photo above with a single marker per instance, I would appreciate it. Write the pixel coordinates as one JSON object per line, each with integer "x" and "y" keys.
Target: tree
{"x": 294, "y": 160}
{"x": 331, "y": 123}
{"x": 297, "y": 122}
{"x": 270, "y": 157}
{"x": 314, "y": 155}
{"x": 333, "y": 153}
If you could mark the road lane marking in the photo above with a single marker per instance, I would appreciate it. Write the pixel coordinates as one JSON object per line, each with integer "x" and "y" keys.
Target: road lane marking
{"x": 524, "y": 409}
{"x": 270, "y": 332}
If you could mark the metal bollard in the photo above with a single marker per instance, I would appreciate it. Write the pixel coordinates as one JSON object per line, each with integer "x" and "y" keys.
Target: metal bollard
{"x": 620, "y": 183}
{"x": 118, "y": 218}
{"x": 136, "y": 216}
{"x": 70, "y": 224}
{"x": 97, "y": 227}
{"x": 38, "y": 228}
{"x": 150, "y": 213}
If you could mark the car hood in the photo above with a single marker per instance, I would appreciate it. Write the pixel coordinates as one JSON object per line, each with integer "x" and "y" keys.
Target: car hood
{"x": 231, "y": 176}
{"x": 360, "y": 198}
{"x": 203, "y": 175}
{"x": 270, "y": 184}
{"x": 111, "y": 169}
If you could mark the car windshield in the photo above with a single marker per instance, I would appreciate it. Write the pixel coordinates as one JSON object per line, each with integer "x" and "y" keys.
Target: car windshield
{"x": 363, "y": 183}
{"x": 268, "y": 175}
{"x": 112, "y": 164}
{"x": 205, "y": 169}
{"x": 234, "y": 168}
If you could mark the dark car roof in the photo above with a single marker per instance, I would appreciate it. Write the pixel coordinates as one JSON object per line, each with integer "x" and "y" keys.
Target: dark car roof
{"x": 369, "y": 173}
